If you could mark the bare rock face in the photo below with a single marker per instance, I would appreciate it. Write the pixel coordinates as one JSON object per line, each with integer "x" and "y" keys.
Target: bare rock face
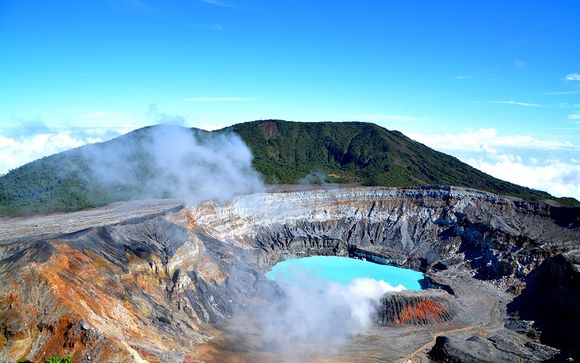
{"x": 499, "y": 239}
{"x": 497, "y": 348}
{"x": 416, "y": 308}
{"x": 552, "y": 299}
{"x": 139, "y": 282}
{"x": 103, "y": 293}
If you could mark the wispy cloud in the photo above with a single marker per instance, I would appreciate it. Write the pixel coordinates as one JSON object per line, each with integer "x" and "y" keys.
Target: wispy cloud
{"x": 489, "y": 140}
{"x": 480, "y": 77}
{"x": 159, "y": 117}
{"x": 18, "y": 147}
{"x": 557, "y": 177}
{"x": 561, "y": 93}
{"x": 522, "y": 159}
{"x": 574, "y": 116}
{"x": 516, "y": 103}
{"x": 486, "y": 77}
{"x": 568, "y": 105}
{"x": 220, "y": 3}
{"x": 219, "y": 99}
{"x": 572, "y": 77}
{"x": 26, "y": 139}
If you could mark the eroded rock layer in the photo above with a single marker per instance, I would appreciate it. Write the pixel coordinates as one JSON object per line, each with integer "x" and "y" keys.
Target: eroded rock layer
{"x": 416, "y": 308}
{"x": 498, "y": 238}
{"x": 151, "y": 286}
{"x": 497, "y": 348}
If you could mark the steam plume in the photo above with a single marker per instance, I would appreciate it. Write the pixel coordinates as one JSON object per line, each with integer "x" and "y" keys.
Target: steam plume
{"x": 320, "y": 314}
{"x": 174, "y": 162}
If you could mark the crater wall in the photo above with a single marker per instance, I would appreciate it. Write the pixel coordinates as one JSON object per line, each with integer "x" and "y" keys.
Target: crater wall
{"x": 142, "y": 282}
{"x": 498, "y": 238}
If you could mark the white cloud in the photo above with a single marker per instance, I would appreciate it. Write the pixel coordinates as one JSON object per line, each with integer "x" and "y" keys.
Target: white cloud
{"x": 487, "y": 77}
{"x": 520, "y": 159}
{"x": 574, "y": 116}
{"x": 488, "y": 140}
{"x": 554, "y": 176}
{"x": 516, "y": 103}
{"x": 573, "y": 77}
{"x": 17, "y": 151}
{"x": 567, "y": 105}
{"x": 159, "y": 117}
{"x": 23, "y": 139}
{"x": 219, "y": 99}
{"x": 95, "y": 120}
{"x": 561, "y": 93}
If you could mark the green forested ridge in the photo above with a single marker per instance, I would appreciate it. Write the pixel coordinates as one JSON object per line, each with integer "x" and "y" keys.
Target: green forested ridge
{"x": 362, "y": 152}
{"x": 284, "y": 152}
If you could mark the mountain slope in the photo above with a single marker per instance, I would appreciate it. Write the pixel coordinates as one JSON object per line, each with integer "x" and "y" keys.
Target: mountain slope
{"x": 63, "y": 181}
{"x": 284, "y": 152}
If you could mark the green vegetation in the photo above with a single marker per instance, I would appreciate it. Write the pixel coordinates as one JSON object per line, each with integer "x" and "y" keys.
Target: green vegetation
{"x": 284, "y": 152}
{"x": 66, "y": 359}
{"x": 54, "y": 359}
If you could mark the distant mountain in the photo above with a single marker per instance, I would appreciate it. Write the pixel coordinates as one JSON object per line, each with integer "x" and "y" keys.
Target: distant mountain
{"x": 360, "y": 152}
{"x": 284, "y": 152}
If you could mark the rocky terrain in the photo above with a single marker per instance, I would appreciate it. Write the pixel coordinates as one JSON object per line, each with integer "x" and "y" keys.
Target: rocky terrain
{"x": 159, "y": 281}
{"x": 416, "y": 308}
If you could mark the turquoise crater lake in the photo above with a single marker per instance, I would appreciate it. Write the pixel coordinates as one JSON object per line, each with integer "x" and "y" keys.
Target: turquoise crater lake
{"x": 344, "y": 270}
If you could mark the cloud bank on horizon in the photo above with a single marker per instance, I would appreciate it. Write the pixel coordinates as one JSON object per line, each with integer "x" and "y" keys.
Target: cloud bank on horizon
{"x": 547, "y": 165}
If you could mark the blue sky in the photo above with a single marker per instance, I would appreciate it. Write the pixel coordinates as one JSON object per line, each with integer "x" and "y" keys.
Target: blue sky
{"x": 495, "y": 83}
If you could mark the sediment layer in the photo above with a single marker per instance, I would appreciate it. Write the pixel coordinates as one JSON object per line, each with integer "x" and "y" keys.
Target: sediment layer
{"x": 136, "y": 286}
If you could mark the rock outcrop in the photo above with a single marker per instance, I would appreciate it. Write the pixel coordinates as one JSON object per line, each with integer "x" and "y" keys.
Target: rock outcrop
{"x": 497, "y": 348}
{"x": 151, "y": 286}
{"x": 551, "y": 300}
{"x": 416, "y": 308}
{"x": 500, "y": 239}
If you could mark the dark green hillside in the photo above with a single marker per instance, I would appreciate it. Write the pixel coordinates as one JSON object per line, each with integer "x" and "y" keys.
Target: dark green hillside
{"x": 284, "y": 152}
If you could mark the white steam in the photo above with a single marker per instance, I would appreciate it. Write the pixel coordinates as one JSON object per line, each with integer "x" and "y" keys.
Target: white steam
{"x": 175, "y": 162}
{"x": 321, "y": 314}
{"x": 314, "y": 177}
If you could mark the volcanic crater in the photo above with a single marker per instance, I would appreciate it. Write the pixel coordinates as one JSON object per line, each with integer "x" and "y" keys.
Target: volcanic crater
{"x": 160, "y": 281}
